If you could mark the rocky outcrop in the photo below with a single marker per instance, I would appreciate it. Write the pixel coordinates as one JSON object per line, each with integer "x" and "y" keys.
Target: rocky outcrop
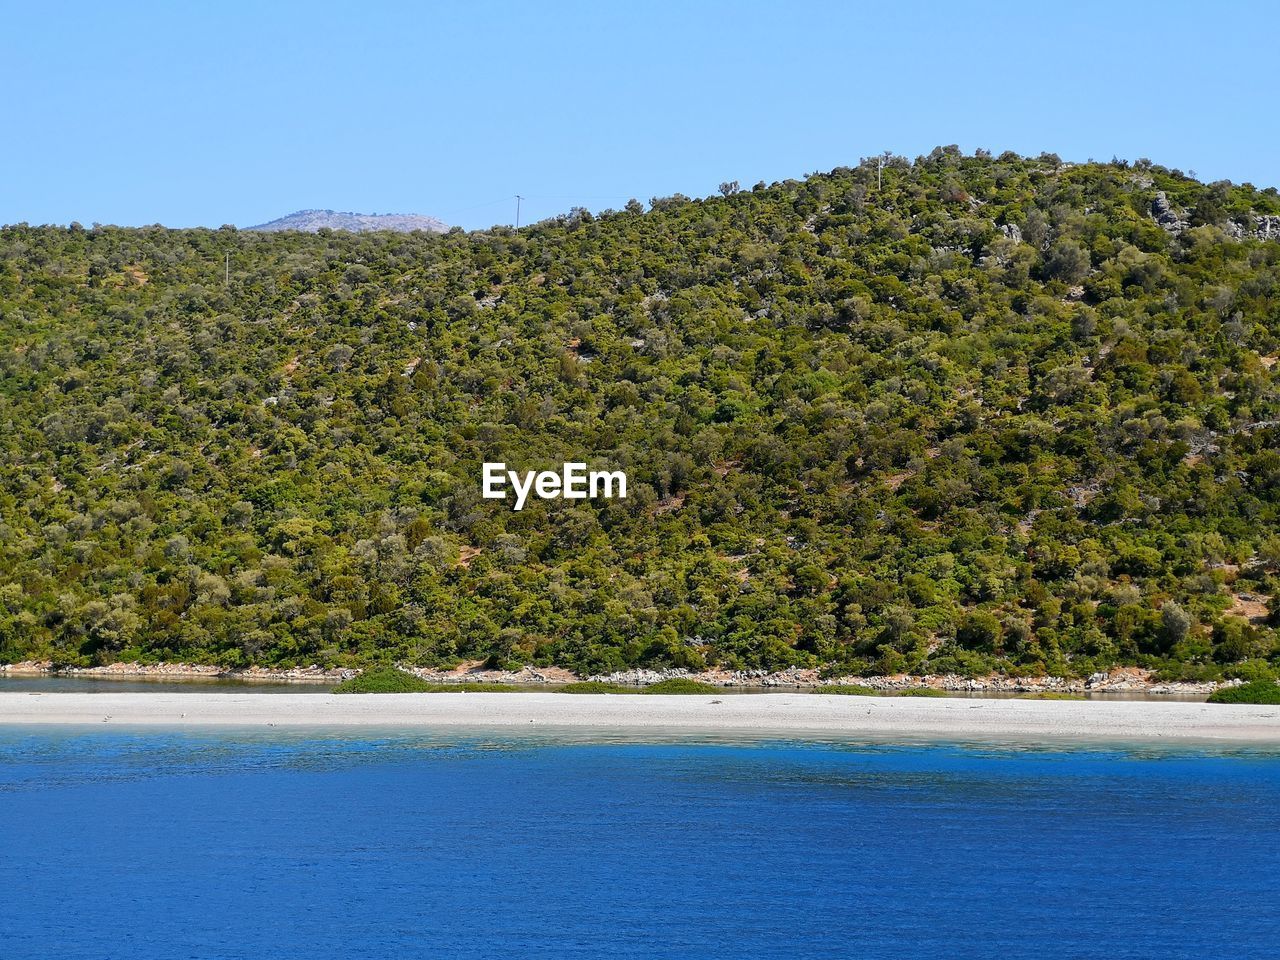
{"x": 181, "y": 671}
{"x": 532, "y": 676}
{"x": 1120, "y": 680}
{"x": 312, "y": 221}
{"x": 1163, "y": 213}
{"x": 1117, "y": 681}
{"x": 1263, "y": 227}
{"x": 1257, "y": 226}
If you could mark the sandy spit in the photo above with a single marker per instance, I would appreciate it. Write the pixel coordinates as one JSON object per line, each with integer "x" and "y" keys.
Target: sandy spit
{"x": 908, "y": 718}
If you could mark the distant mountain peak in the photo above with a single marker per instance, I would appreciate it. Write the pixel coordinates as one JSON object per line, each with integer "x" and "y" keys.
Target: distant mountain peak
{"x": 311, "y": 221}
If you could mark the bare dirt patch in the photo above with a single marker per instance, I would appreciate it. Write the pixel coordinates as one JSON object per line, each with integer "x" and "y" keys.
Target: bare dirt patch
{"x": 1248, "y": 605}
{"x": 894, "y": 480}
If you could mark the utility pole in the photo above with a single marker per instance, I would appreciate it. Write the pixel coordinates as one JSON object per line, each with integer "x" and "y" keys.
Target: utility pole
{"x": 879, "y": 167}
{"x": 518, "y": 199}
{"x": 226, "y": 280}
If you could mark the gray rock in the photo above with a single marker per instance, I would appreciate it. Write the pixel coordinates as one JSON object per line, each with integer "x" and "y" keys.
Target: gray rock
{"x": 1163, "y": 213}
{"x": 311, "y": 221}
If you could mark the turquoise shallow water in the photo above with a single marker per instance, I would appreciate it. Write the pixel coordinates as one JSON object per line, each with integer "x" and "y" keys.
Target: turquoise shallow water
{"x": 155, "y": 844}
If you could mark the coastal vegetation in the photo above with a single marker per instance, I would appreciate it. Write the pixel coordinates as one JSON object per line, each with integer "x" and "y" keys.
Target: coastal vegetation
{"x": 476, "y": 686}
{"x": 384, "y": 680}
{"x": 962, "y": 414}
{"x": 919, "y": 692}
{"x": 1256, "y": 691}
{"x": 857, "y": 690}
{"x": 682, "y": 686}
{"x": 847, "y": 690}
{"x": 596, "y": 686}
{"x": 395, "y": 680}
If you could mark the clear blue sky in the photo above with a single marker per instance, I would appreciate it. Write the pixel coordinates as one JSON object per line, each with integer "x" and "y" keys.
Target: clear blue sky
{"x": 232, "y": 112}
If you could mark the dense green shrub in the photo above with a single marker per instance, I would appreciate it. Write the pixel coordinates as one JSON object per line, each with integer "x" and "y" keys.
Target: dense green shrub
{"x": 918, "y": 692}
{"x": 596, "y": 686}
{"x": 391, "y": 680}
{"x": 959, "y": 415}
{"x": 680, "y": 685}
{"x": 383, "y": 680}
{"x": 847, "y": 690}
{"x": 1257, "y": 691}
{"x": 853, "y": 690}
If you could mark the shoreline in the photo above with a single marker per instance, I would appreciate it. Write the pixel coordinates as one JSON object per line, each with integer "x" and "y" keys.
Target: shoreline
{"x": 781, "y": 714}
{"x": 1119, "y": 680}
{"x": 178, "y": 672}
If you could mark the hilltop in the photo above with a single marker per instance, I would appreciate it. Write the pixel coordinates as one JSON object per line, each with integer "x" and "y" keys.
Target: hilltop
{"x": 967, "y": 413}
{"x": 312, "y": 221}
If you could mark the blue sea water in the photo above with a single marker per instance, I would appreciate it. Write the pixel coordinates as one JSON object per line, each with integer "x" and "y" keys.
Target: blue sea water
{"x": 159, "y": 844}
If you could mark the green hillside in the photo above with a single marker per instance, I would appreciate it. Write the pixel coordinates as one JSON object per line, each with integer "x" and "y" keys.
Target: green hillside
{"x": 993, "y": 413}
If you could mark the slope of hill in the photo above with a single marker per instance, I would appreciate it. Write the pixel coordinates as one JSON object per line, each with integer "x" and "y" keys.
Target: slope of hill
{"x": 997, "y": 413}
{"x": 312, "y": 221}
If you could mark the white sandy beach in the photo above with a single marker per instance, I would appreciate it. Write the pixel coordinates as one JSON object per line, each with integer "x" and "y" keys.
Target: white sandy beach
{"x": 959, "y": 718}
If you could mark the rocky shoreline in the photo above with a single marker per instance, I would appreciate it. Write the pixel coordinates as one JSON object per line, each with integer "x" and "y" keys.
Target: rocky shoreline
{"x": 530, "y": 676}
{"x": 179, "y": 671}
{"x": 1123, "y": 680}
